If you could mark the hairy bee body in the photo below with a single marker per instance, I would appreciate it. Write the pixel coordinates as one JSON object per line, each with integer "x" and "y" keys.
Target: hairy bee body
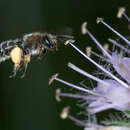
{"x": 40, "y": 40}
{"x": 29, "y": 42}
{"x": 33, "y": 44}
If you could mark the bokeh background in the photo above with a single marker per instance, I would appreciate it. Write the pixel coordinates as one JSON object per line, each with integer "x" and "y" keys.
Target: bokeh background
{"x": 29, "y": 103}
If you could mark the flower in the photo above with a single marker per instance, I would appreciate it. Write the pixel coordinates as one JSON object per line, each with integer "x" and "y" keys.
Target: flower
{"x": 113, "y": 92}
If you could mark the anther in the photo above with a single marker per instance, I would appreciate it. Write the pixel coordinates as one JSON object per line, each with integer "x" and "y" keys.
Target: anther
{"x": 88, "y": 51}
{"x": 120, "y": 12}
{"x": 106, "y": 47}
{"x": 99, "y": 20}
{"x": 83, "y": 28}
{"x": 58, "y": 92}
{"x": 69, "y": 41}
{"x": 65, "y": 112}
{"x": 53, "y": 78}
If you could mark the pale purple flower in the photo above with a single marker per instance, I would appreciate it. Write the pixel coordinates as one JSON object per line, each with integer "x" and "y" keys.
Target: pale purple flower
{"x": 113, "y": 92}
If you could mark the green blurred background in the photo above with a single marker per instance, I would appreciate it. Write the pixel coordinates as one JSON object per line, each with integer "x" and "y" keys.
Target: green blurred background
{"x": 29, "y": 103}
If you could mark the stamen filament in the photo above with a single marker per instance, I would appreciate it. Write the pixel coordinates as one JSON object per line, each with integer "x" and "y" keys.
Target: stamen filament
{"x": 113, "y": 30}
{"x": 118, "y": 45}
{"x": 98, "y": 44}
{"x": 99, "y": 66}
{"x": 76, "y": 87}
{"x": 72, "y": 95}
{"x": 99, "y": 56}
{"x": 81, "y": 123}
{"x": 101, "y": 108}
{"x": 72, "y": 66}
{"x": 84, "y": 124}
{"x": 125, "y": 15}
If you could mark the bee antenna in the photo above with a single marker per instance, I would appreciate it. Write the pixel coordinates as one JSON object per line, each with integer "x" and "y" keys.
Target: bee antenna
{"x": 65, "y": 36}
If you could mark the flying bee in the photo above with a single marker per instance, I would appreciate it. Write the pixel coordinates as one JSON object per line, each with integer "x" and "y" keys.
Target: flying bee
{"x": 21, "y": 51}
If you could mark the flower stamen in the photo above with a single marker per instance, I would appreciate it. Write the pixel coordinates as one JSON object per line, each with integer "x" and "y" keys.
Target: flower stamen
{"x": 72, "y": 66}
{"x": 75, "y": 86}
{"x": 65, "y": 114}
{"x": 99, "y": 66}
{"x": 97, "y": 43}
{"x": 100, "y": 20}
{"x": 118, "y": 45}
{"x": 121, "y": 13}
{"x": 70, "y": 95}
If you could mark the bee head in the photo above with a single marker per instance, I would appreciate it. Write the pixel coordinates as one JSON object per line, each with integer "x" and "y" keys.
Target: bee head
{"x": 49, "y": 42}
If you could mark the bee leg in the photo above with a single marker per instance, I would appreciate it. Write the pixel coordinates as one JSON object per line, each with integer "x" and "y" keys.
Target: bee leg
{"x": 15, "y": 70}
{"x": 16, "y": 57}
{"x": 27, "y": 59}
{"x": 42, "y": 53}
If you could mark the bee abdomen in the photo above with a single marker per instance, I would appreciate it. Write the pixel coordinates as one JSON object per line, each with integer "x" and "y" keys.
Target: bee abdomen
{"x": 7, "y": 46}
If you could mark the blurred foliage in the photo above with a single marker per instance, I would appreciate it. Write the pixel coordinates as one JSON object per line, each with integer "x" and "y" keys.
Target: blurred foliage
{"x": 29, "y": 103}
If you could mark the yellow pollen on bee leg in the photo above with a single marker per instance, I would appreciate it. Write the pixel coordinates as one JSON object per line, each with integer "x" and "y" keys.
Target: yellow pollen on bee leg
{"x": 16, "y": 65}
{"x": 27, "y": 58}
{"x": 16, "y": 55}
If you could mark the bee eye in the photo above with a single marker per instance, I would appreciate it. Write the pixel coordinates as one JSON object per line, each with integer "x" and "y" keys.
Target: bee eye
{"x": 48, "y": 42}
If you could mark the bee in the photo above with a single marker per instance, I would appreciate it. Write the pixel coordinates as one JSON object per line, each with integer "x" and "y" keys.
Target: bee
{"x": 21, "y": 50}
